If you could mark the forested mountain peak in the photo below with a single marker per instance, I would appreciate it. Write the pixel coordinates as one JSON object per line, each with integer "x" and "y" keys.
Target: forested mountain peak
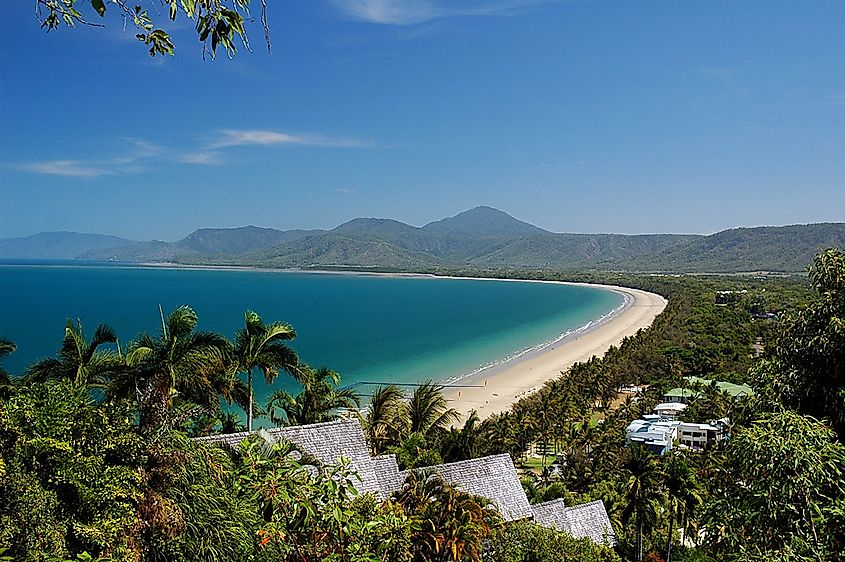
{"x": 483, "y": 221}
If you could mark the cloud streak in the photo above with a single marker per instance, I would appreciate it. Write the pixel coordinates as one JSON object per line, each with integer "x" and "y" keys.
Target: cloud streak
{"x": 208, "y": 154}
{"x": 238, "y": 137}
{"x": 68, "y": 168}
{"x": 409, "y": 12}
{"x": 209, "y": 158}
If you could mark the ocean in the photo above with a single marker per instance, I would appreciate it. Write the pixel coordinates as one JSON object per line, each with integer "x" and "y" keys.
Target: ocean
{"x": 368, "y": 328}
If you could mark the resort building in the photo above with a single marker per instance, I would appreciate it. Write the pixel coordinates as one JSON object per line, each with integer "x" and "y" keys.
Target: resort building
{"x": 660, "y": 435}
{"x": 652, "y": 432}
{"x": 670, "y": 410}
{"x": 690, "y": 391}
{"x": 696, "y": 436}
{"x": 494, "y": 477}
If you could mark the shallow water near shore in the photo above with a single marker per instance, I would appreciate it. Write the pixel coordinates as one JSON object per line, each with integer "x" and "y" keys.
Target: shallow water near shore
{"x": 371, "y": 329}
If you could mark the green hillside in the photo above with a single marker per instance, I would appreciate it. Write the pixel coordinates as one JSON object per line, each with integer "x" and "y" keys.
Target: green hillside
{"x": 482, "y": 237}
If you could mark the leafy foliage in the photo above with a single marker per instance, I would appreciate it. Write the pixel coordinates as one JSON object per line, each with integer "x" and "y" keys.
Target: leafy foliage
{"x": 780, "y": 492}
{"x": 809, "y": 369}
{"x": 70, "y": 474}
{"x": 219, "y": 23}
{"x": 527, "y": 542}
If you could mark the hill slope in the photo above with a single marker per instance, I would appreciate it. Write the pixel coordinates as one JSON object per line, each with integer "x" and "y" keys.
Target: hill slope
{"x": 57, "y": 245}
{"x": 482, "y": 237}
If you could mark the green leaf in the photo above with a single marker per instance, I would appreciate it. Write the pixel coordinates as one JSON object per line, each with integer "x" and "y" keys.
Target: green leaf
{"x": 100, "y": 6}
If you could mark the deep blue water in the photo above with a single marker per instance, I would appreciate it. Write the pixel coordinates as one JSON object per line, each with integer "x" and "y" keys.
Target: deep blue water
{"x": 368, "y": 328}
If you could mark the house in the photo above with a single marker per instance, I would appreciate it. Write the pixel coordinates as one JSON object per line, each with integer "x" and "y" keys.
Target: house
{"x": 493, "y": 477}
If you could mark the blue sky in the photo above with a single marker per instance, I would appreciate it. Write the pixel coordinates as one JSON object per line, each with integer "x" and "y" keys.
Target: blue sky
{"x": 578, "y": 116}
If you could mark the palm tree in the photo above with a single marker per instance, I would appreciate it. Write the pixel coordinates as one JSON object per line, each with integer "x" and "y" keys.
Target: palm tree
{"x": 641, "y": 491}
{"x": 682, "y": 493}
{"x": 6, "y": 382}
{"x": 230, "y": 422}
{"x": 193, "y": 366}
{"x": 464, "y": 443}
{"x": 383, "y": 422}
{"x": 261, "y": 346}
{"x": 79, "y": 360}
{"x": 447, "y": 523}
{"x": 427, "y": 411}
{"x": 318, "y": 401}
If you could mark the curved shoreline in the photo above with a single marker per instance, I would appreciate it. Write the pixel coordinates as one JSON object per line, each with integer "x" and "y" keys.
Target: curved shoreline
{"x": 495, "y": 389}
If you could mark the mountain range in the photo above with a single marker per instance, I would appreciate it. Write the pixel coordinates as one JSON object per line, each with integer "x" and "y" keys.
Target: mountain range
{"x": 483, "y": 237}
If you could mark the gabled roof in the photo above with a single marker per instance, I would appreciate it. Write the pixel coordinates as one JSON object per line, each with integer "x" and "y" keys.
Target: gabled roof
{"x": 587, "y": 520}
{"x": 328, "y": 442}
{"x": 387, "y": 473}
{"x": 492, "y": 477}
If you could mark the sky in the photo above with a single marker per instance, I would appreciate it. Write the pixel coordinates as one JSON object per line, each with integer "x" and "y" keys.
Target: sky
{"x": 631, "y": 116}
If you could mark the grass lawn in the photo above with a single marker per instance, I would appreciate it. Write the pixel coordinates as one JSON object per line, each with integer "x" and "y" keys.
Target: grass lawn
{"x": 536, "y": 463}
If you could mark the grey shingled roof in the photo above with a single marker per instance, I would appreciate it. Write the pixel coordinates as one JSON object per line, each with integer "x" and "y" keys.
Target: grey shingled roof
{"x": 588, "y": 520}
{"x": 387, "y": 473}
{"x": 492, "y": 477}
{"x": 327, "y": 441}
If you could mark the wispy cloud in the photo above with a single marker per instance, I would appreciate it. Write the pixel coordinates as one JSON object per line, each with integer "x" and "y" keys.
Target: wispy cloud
{"x": 238, "y": 137}
{"x": 408, "y": 12}
{"x": 70, "y": 168}
{"x": 136, "y": 152}
{"x": 208, "y": 157}
{"x": 345, "y": 190}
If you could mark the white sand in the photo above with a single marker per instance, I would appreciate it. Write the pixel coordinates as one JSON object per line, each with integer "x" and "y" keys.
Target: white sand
{"x": 493, "y": 390}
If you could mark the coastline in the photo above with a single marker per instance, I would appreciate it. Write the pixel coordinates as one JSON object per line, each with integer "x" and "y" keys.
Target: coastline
{"x": 495, "y": 389}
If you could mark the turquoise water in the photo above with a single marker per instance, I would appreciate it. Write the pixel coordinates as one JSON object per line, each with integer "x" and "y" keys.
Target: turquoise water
{"x": 368, "y": 328}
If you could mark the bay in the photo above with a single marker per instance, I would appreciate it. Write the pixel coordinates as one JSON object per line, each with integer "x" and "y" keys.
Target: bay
{"x": 366, "y": 327}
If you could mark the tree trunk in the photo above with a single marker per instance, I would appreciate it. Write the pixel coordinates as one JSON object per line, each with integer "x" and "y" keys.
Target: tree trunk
{"x": 249, "y": 407}
{"x": 639, "y": 535}
{"x": 669, "y": 545}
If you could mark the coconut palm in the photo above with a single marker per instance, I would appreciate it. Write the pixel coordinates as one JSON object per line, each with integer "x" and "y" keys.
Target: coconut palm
{"x": 464, "y": 443}
{"x": 261, "y": 346}
{"x": 318, "y": 401}
{"x": 641, "y": 491}
{"x": 79, "y": 361}
{"x": 682, "y": 491}
{"x": 383, "y": 421}
{"x": 447, "y": 523}
{"x": 181, "y": 363}
{"x": 427, "y": 411}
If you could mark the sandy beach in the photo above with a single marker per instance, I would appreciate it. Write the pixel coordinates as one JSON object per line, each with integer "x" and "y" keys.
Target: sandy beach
{"x": 493, "y": 390}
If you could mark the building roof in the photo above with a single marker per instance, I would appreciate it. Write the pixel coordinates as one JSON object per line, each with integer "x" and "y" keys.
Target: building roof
{"x": 587, "y": 520}
{"x": 387, "y": 472}
{"x": 673, "y": 407}
{"x": 492, "y": 477}
{"x": 328, "y": 442}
